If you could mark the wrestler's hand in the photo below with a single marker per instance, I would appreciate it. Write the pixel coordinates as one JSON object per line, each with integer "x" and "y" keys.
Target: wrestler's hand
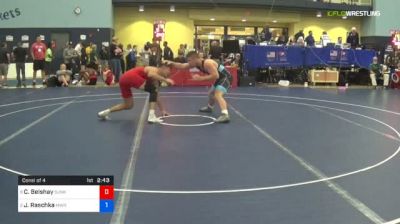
{"x": 196, "y": 77}
{"x": 170, "y": 82}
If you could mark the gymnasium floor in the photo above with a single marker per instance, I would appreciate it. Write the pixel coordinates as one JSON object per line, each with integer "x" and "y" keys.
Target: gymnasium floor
{"x": 304, "y": 156}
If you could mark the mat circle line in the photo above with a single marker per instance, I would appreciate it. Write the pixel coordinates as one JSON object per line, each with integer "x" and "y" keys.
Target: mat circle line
{"x": 187, "y": 125}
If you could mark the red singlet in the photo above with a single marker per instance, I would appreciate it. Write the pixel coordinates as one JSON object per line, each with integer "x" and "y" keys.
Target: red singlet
{"x": 133, "y": 78}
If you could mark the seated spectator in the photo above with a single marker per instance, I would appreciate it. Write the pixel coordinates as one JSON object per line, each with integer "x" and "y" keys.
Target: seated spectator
{"x": 88, "y": 76}
{"x": 398, "y": 67}
{"x": 377, "y": 71}
{"x": 108, "y": 76}
{"x": 64, "y": 75}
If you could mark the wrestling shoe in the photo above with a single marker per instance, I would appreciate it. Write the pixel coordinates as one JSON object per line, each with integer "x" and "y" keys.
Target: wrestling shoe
{"x": 153, "y": 120}
{"x": 103, "y": 115}
{"x": 224, "y": 118}
{"x": 206, "y": 109}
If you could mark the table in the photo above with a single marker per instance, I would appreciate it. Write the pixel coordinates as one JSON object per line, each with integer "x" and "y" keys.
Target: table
{"x": 294, "y": 57}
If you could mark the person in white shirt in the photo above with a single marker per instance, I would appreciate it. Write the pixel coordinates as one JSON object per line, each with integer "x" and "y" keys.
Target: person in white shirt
{"x": 325, "y": 40}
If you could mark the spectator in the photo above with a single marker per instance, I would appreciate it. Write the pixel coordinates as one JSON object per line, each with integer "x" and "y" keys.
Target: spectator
{"x": 181, "y": 50}
{"x": 38, "y": 52}
{"x": 108, "y": 76}
{"x": 122, "y": 58}
{"x": 376, "y": 71}
{"x": 145, "y": 54}
{"x": 115, "y": 56}
{"x": 298, "y": 34}
{"x": 79, "y": 48}
{"x": 20, "y": 55}
{"x": 134, "y": 54}
{"x": 47, "y": 61}
{"x": 103, "y": 57}
{"x": 156, "y": 53}
{"x": 215, "y": 51}
{"x": 168, "y": 54}
{"x": 340, "y": 42}
{"x": 353, "y": 38}
{"x": 310, "y": 39}
{"x": 64, "y": 75}
{"x": 300, "y": 42}
{"x": 325, "y": 40}
{"x": 4, "y": 62}
{"x": 83, "y": 59}
{"x": 266, "y": 34}
{"x": 91, "y": 52}
{"x": 281, "y": 40}
{"x": 88, "y": 76}
{"x": 70, "y": 56}
{"x": 130, "y": 57}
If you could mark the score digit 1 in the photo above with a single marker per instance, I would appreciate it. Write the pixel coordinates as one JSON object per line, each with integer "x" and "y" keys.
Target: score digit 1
{"x": 106, "y": 198}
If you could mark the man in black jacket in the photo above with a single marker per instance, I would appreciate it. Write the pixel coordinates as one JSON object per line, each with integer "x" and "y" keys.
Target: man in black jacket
{"x": 20, "y": 55}
{"x": 168, "y": 54}
{"x": 353, "y": 39}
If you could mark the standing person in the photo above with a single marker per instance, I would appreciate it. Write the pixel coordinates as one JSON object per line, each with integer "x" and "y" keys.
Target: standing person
{"x": 134, "y": 54}
{"x": 20, "y": 55}
{"x": 4, "y": 62}
{"x": 131, "y": 57}
{"x": 325, "y": 40}
{"x": 103, "y": 57}
{"x": 181, "y": 54}
{"x": 83, "y": 59}
{"x": 353, "y": 38}
{"x": 91, "y": 52}
{"x": 215, "y": 51}
{"x": 298, "y": 34}
{"x": 143, "y": 78}
{"x": 127, "y": 57}
{"x": 38, "y": 53}
{"x": 145, "y": 54}
{"x": 168, "y": 54}
{"x": 47, "y": 61}
{"x": 70, "y": 56}
{"x": 115, "y": 55}
{"x": 310, "y": 39}
{"x": 215, "y": 72}
{"x": 156, "y": 53}
{"x": 122, "y": 58}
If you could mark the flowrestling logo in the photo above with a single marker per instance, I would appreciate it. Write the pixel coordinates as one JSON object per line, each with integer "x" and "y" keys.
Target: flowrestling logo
{"x": 353, "y": 13}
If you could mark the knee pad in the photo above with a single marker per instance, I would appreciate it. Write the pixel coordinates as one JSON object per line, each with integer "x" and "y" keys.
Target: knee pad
{"x": 152, "y": 89}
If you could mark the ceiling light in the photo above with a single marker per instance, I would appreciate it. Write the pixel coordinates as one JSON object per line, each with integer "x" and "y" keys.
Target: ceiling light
{"x": 274, "y": 21}
{"x": 172, "y": 8}
{"x": 141, "y": 8}
{"x": 212, "y": 19}
{"x": 244, "y": 20}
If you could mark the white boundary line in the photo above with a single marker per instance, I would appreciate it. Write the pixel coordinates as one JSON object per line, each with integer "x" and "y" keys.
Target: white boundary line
{"x": 396, "y": 221}
{"x": 122, "y": 203}
{"x": 357, "y": 204}
{"x": 22, "y": 130}
{"x": 229, "y": 94}
{"x": 188, "y": 125}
